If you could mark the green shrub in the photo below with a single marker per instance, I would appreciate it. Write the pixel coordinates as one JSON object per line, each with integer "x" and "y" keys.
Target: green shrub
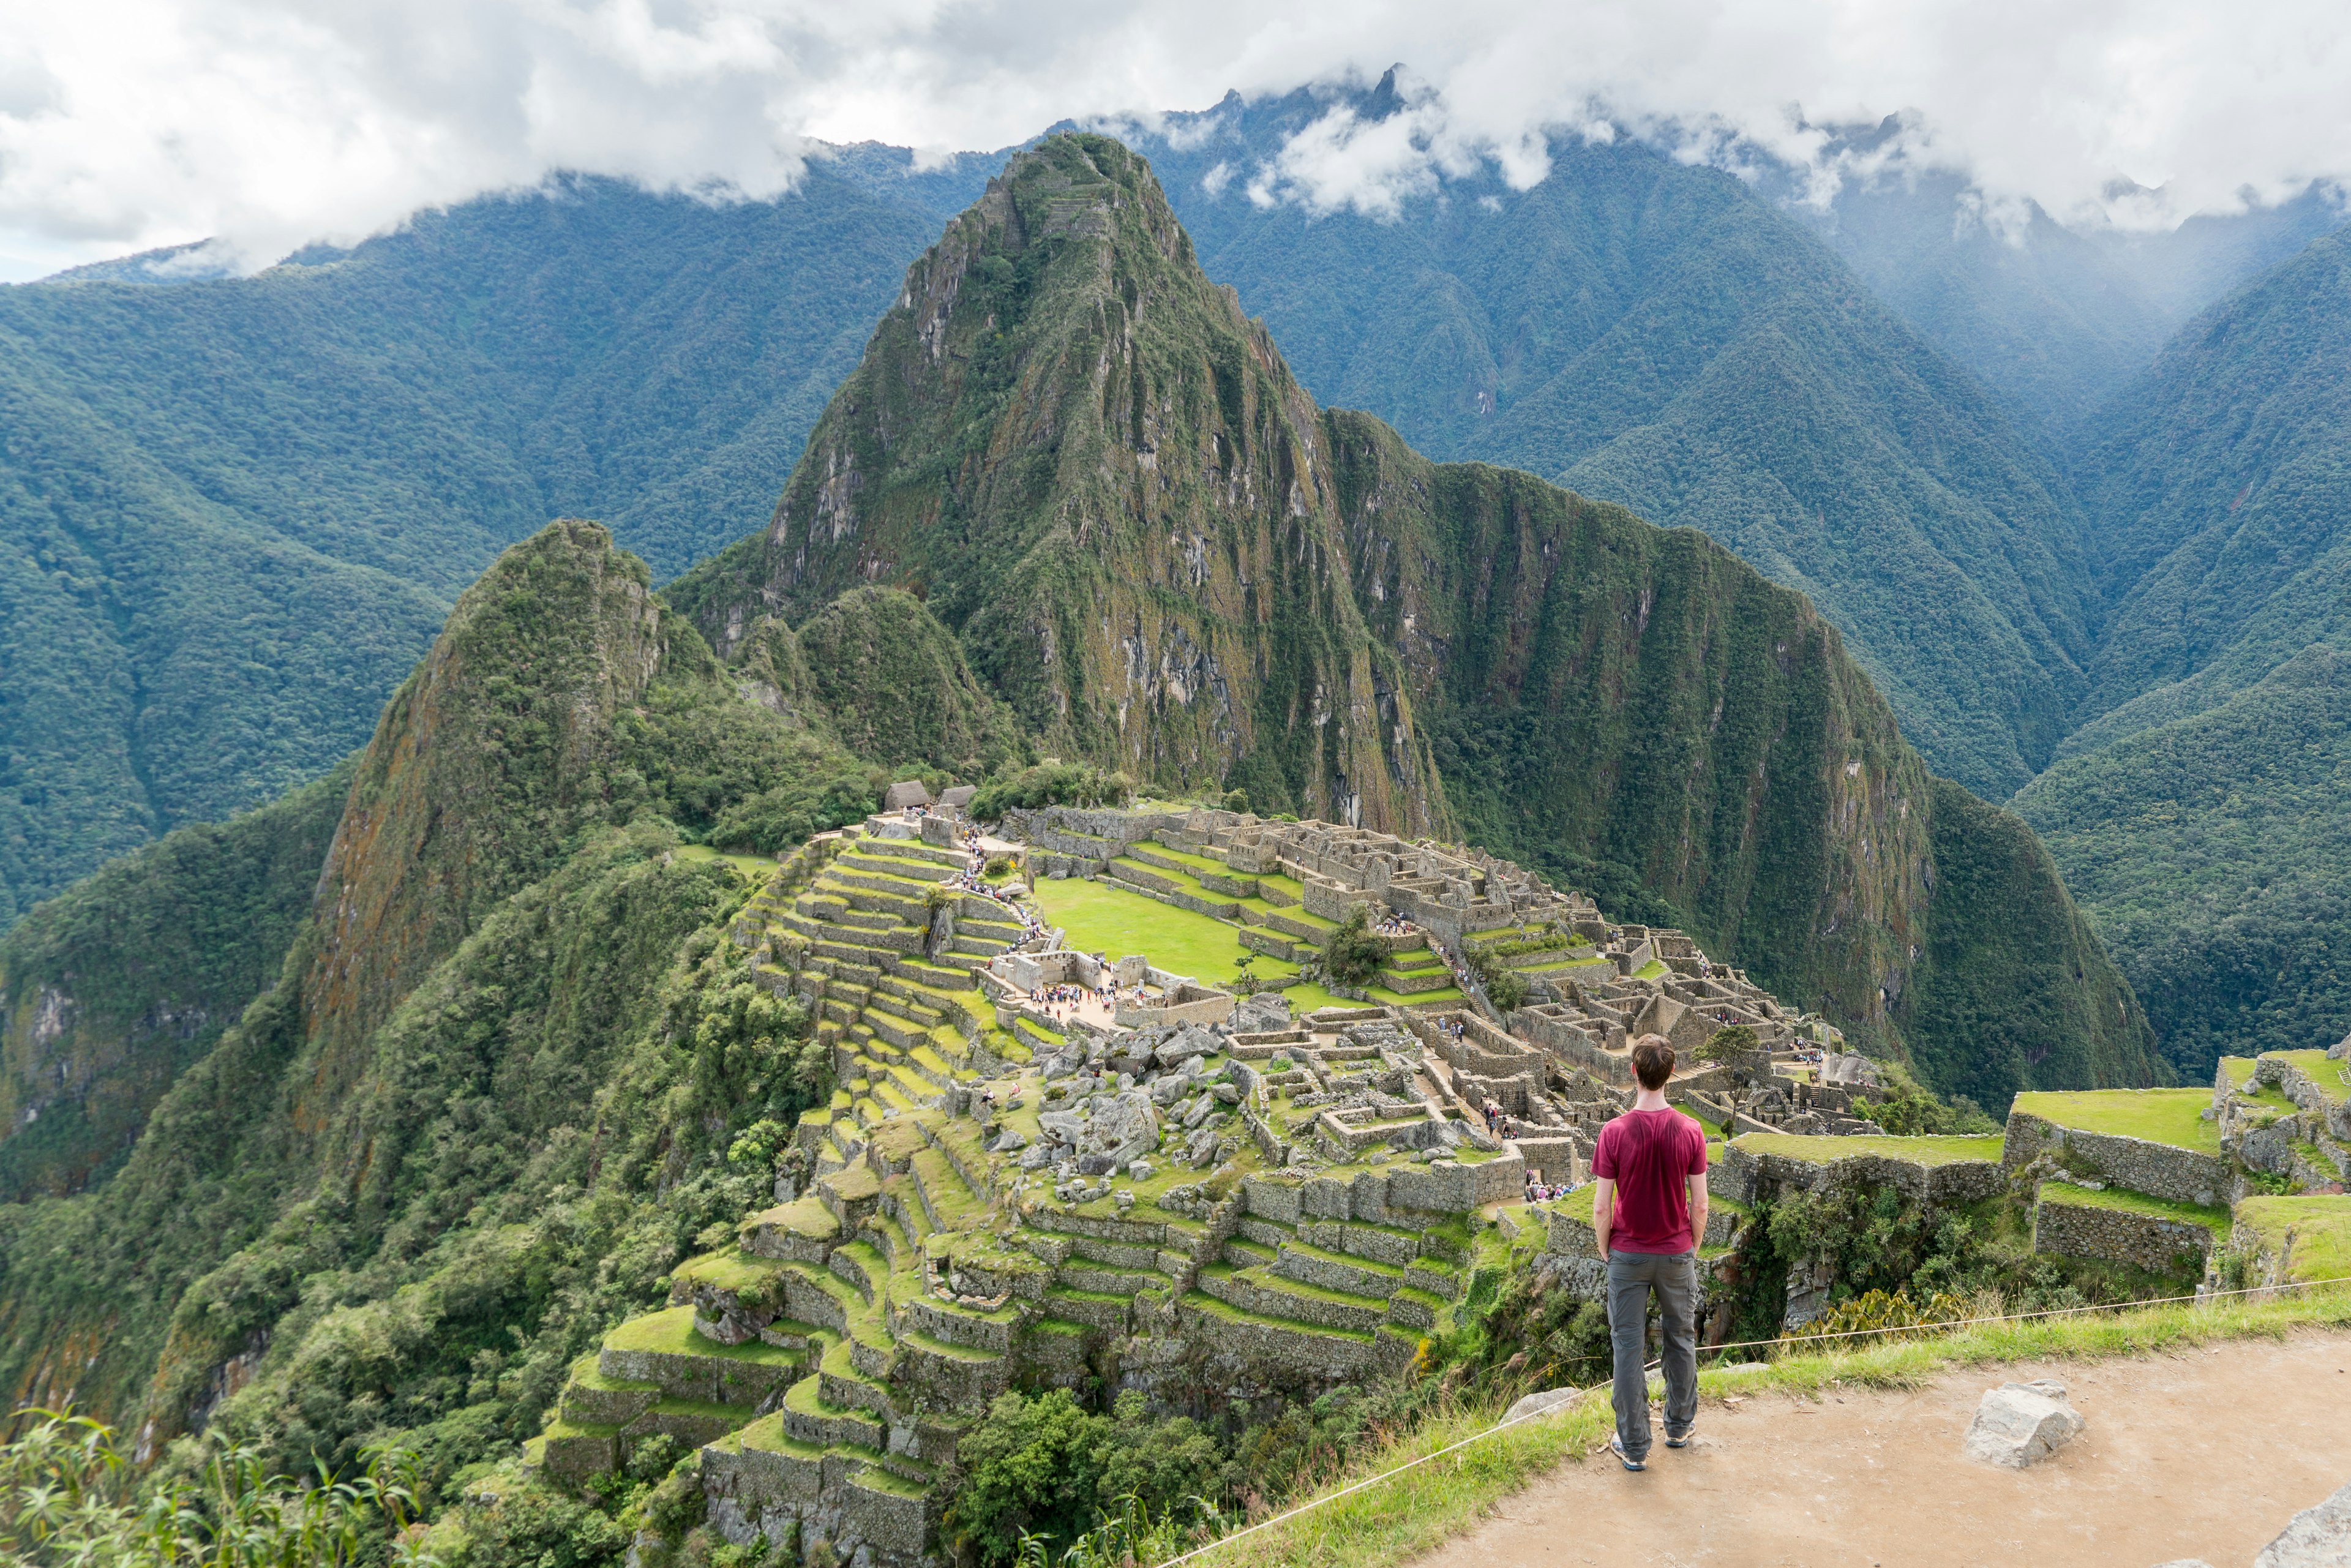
{"x": 1048, "y": 1469}
{"x": 1236, "y": 800}
{"x": 68, "y": 1495}
{"x": 1353, "y": 953}
{"x": 1905, "y": 1106}
{"x": 1504, "y": 987}
{"x": 775, "y": 819}
{"x": 1051, "y": 782}
{"x": 1727, "y": 1044}
{"x": 1879, "y": 1311}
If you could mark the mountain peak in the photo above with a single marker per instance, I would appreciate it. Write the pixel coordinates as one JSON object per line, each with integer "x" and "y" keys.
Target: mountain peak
{"x": 1095, "y": 469}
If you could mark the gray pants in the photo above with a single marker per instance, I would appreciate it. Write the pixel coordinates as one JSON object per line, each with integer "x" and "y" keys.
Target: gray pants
{"x": 1631, "y": 1277}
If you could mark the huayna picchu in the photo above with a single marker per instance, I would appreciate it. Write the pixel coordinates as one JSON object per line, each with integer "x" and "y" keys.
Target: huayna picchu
{"x": 1049, "y": 1164}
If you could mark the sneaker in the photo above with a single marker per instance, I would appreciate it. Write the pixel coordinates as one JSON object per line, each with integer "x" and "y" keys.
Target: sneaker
{"x": 1617, "y": 1447}
{"x": 1681, "y": 1442}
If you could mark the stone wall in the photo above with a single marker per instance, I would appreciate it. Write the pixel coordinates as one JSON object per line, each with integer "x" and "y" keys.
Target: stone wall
{"x": 1406, "y": 1197}
{"x": 1743, "y": 1175}
{"x": 1190, "y": 1004}
{"x": 2330, "y": 1107}
{"x": 2118, "y": 1236}
{"x": 2158, "y": 1170}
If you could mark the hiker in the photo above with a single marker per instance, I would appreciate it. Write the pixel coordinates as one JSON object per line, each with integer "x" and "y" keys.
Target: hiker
{"x": 1648, "y": 1209}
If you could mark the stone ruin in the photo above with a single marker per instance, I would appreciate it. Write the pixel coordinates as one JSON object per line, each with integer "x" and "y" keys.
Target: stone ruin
{"x": 1206, "y": 1198}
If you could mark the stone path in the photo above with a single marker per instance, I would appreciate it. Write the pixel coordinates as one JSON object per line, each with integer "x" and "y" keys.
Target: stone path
{"x": 2194, "y": 1454}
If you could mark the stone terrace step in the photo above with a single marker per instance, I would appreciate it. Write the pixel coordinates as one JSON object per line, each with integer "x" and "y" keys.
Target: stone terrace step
{"x": 811, "y": 1418}
{"x": 1267, "y": 1294}
{"x": 664, "y": 1348}
{"x": 1337, "y": 1272}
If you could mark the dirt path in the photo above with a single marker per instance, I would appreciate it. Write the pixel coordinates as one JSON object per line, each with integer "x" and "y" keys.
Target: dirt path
{"x": 2203, "y": 1453}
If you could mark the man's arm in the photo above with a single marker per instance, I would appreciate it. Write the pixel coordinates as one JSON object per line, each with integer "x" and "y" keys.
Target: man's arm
{"x": 1604, "y": 1210}
{"x": 1698, "y": 1210}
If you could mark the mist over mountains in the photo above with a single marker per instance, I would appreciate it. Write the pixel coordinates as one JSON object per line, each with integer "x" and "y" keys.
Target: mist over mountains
{"x": 236, "y": 509}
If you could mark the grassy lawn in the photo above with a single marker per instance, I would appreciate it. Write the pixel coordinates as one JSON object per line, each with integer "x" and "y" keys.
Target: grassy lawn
{"x": 2322, "y": 1232}
{"x": 2173, "y": 1117}
{"x": 1104, "y": 917}
{"x": 1409, "y": 1515}
{"x": 1186, "y": 857}
{"x": 1931, "y": 1151}
{"x": 755, "y": 869}
{"x": 2239, "y": 1068}
{"x": 2215, "y": 1220}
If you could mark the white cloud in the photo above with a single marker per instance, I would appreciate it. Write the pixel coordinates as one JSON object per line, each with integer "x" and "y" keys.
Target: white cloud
{"x": 126, "y": 124}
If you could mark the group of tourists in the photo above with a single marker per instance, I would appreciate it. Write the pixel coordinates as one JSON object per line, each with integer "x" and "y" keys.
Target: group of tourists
{"x": 1539, "y": 1191}
{"x": 1396, "y": 926}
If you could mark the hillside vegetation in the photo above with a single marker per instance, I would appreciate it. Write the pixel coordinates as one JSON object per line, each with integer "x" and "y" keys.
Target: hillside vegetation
{"x": 2214, "y": 852}
{"x": 119, "y": 984}
{"x": 233, "y": 513}
{"x": 2200, "y": 812}
{"x": 470, "y": 1094}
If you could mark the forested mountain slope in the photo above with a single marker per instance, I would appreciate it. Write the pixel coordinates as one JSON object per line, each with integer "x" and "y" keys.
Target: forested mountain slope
{"x": 232, "y": 513}
{"x": 2220, "y": 485}
{"x": 2055, "y": 320}
{"x": 1166, "y": 558}
{"x": 415, "y": 1097}
{"x": 2214, "y": 852}
{"x": 2199, "y": 810}
{"x": 1652, "y": 332}
{"x": 111, "y": 990}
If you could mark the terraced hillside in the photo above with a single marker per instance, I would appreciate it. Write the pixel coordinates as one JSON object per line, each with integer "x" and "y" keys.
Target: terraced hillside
{"x": 1046, "y": 1167}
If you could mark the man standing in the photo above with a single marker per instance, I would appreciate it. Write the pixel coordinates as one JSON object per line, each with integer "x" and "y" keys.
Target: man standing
{"x": 1648, "y": 1209}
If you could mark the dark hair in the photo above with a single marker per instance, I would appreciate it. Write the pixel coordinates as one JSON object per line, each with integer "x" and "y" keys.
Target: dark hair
{"x": 1653, "y": 1061}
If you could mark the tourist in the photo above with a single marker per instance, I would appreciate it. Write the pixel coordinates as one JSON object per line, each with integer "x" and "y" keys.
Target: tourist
{"x": 1648, "y": 1209}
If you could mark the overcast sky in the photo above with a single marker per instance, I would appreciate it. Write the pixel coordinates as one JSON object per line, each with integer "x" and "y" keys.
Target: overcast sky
{"x": 126, "y": 124}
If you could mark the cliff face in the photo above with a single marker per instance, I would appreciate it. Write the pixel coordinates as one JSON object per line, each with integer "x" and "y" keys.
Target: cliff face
{"x": 1074, "y": 448}
{"x": 1067, "y": 441}
{"x": 1622, "y": 703}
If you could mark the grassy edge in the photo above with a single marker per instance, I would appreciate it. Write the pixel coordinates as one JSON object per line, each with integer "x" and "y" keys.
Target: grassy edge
{"x": 1421, "y": 1510}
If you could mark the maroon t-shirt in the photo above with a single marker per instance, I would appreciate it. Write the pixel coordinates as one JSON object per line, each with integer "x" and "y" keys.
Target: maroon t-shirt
{"x": 1650, "y": 1154}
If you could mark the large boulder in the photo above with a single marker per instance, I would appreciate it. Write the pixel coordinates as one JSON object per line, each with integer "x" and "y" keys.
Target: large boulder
{"x": 1261, "y": 1011}
{"x": 2020, "y": 1423}
{"x": 2317, "y": 1537}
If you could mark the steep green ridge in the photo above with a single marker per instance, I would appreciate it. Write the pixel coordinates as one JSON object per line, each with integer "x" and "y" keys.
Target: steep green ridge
{"x": 233, "y": 513}
{"x": 1167, "y": 560}
{"x": 491, "y": 1081}
{"x": 111, "y": 989}
{"x": 2213, "y": 852}
{"x": 877, "y": 671}
{"x": 1650, "y": 333}
{"x": 1105, "y": 479}
{"x": 2197, "y": 812}
{"x": 2220, "y": 487}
